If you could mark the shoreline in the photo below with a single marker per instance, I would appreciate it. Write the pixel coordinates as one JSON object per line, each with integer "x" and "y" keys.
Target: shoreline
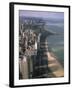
{"x": 55, "y": 65}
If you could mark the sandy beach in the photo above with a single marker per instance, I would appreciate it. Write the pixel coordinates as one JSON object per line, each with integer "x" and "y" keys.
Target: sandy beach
{"x": 54, "y": 65}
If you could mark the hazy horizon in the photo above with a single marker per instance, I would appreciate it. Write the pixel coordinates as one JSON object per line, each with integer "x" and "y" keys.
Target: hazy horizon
{"x": 41, "y": 14}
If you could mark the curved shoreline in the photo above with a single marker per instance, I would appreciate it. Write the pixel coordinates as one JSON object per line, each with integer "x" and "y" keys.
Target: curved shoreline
{"x": 54, "y": 65}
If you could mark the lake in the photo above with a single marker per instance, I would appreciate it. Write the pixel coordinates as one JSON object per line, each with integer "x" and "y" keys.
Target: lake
{"x": 56, "y": 42}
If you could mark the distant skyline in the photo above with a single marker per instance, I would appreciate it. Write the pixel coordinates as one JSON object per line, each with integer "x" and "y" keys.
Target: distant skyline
{"x": 41, "y": 14}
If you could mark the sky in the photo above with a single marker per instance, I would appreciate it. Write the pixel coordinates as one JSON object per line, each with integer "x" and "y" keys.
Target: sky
{"x": 41, "y": 14}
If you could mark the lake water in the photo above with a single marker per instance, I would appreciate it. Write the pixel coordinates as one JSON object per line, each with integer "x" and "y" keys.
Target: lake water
{"x": 56, "y": 42}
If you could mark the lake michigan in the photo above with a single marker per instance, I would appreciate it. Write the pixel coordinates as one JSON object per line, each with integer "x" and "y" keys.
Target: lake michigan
{"x": 56, "y": 42}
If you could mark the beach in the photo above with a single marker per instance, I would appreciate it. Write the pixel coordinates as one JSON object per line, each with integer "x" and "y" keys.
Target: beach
{"x": 54, "y": 65}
